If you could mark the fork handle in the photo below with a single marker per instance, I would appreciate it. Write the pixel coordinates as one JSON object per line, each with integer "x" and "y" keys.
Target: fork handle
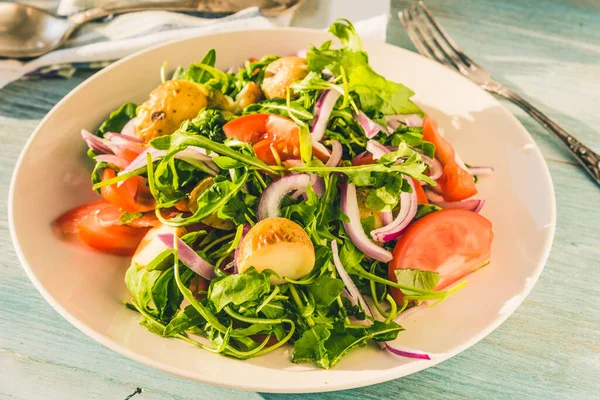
{"x": 589, "y": 159}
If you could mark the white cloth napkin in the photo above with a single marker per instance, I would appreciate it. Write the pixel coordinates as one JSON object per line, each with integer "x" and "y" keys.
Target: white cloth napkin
{"x": 98, "y": 44}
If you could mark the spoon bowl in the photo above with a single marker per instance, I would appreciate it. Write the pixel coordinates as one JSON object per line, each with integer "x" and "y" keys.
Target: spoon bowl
{"x": 27, "y": 31}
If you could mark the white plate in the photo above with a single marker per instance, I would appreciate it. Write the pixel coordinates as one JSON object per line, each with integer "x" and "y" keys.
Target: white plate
{"x": 87, "y": 287}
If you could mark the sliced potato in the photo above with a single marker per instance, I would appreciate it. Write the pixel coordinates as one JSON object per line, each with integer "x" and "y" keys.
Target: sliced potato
{"x": 212, "y": 220}
{"x": 280, "y": 245}
{"x": 281, "y": 73}
{"x": 151, "y": 246}
{"x": 168, "y": 106}
{"x": 249, "y": 94}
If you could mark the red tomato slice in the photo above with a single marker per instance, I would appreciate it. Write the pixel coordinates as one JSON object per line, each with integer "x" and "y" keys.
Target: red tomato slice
{"x": 132, "y": 196}
{"x": 364, "y": 160}
{"x": 451, "y": 242}
{"x": 68, "y": 223}
{"x": 248, "y": 128}
{"x": 421, "y": 196}
{"x": 456, "y": 183}
{"x": 269, "y": 133}
{"x": 113, "y": 239}
{"x": 97, "y": 224}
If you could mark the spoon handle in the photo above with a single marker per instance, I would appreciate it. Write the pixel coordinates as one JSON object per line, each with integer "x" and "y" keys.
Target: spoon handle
{"x": 268, "y": 7}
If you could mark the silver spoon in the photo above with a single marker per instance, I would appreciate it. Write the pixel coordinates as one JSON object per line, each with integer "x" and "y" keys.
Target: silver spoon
{"x": 27, "y": 31}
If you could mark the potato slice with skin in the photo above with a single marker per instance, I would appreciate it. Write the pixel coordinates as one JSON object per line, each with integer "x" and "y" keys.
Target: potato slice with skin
{"x": 169, "y": 105}
{"x": 211, "y": 220}
{"x": 151, "y": 246}
{"x": 280, "y": 245}
{"x": 281, "y": 73}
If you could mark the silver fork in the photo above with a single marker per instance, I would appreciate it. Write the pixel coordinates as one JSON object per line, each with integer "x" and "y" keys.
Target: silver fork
{"x": 433, "y": 42}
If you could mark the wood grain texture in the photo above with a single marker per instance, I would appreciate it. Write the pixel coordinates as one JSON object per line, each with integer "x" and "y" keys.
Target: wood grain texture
{"x": 549, "y": 349}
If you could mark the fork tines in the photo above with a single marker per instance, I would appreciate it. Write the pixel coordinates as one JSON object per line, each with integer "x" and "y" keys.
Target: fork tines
{"x": 430, "y": 39}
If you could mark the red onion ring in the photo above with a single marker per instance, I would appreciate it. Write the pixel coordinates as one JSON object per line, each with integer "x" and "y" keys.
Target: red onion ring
{"x": 336, "y": 154}
{"x": 386, "y": 217}
{"x": 408, "y": 210}
{"x": 322, "y": 110}
{"x": 188, "y": 256}
{"x": 354, "y": 229}
{"x": 268, "y": 205}
{"x": 474, "y": 205}
{"x": 408, "y": 203}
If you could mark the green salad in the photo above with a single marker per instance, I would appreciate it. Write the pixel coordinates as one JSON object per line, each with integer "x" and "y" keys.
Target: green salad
{"x": 300, "y": 201}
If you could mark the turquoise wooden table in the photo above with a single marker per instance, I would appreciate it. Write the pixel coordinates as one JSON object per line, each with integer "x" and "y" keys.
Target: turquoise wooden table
{"x": 549, "y": 349}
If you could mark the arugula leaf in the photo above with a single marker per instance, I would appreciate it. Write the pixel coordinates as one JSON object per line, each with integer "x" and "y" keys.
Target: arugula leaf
{"x": 117, "y": 119}
{"x": 325, "y": 290}
{"x": 210, "y": 201}
{"x": 416, "y": 278}
{"x": 185, "y": 319}
{"x": 311, "y": 347}
{"x": 425, "y": 209}
{"x": 350, "y": 256}
{"x": 274, "y": 310}
{"x": 162, "y": 262}
{"x": 238, "y": 289}
{"x": 180, "y": 140}
{"x": 166, "y": 296}
{"x": 373, "y": 90}
{"x": 140, "y": 283}
{"x": 344, "y": 30}
{"x": 385, "y": 195}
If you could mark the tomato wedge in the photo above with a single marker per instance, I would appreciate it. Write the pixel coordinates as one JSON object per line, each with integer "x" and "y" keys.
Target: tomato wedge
{"x": 451, "y": 242}
{"x": 132, "y": 196}
{"x": 456, "y": 183}
{"x": 97, "y": 224}
{"x": 270, "y": 134}
{"x": 421, "y": 196}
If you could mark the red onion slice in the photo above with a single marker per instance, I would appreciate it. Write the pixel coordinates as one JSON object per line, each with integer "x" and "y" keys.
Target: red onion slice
{"x": 140, "y": 161}
{"x": 474, "y": 205}
{"x": 96, "y": 143}
{"x": 188, "y": 256}
{"x": 122, "y": 138}
{"x": 377, "y": 149}
{"x": 268, "y": 205}
{"x": 336, "y": 154}
{"x": 386, "y": 217}
{"x": 408, "y": 210}
{"x": 129, "y": 128}
{"x": 394, "y": 121}
{"x": 354, "y": 229}
{"x": 119, "y": 162}
{"x": 406, "y": 352}
{"x": 345, "y": 277}
{"x": 370, "y": 127}
{"x": 322, "y": 110}
{"x": 408, "y": 203}
{"x": 321, "y": 148}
